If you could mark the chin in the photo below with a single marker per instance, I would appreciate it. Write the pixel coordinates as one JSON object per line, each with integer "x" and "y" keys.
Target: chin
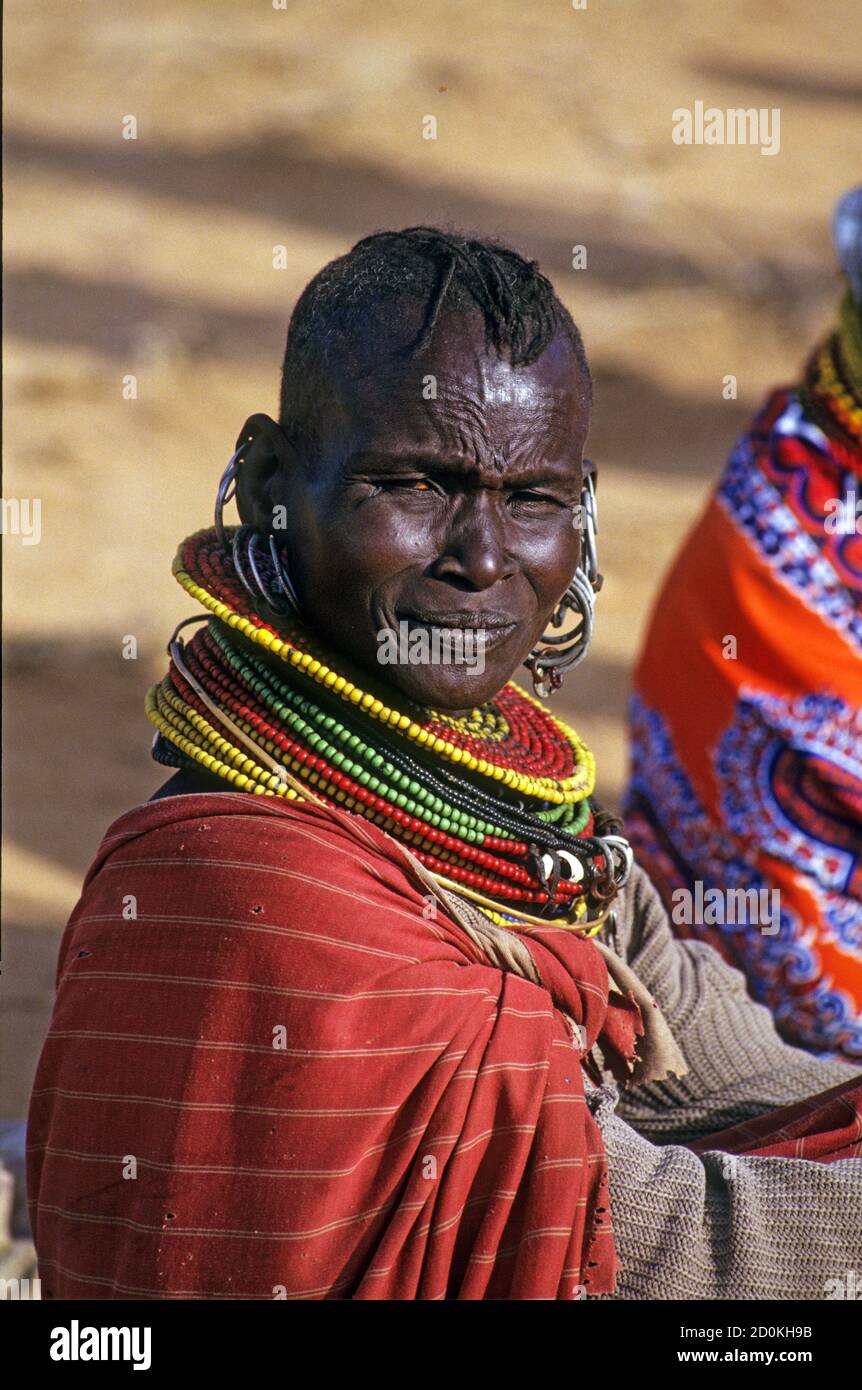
{"x": 447, "y": 689}
{"x": 440, "y": 685}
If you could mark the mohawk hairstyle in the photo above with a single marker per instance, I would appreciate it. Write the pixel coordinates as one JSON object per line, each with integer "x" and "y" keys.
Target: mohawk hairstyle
{"x": 358, "y": 307}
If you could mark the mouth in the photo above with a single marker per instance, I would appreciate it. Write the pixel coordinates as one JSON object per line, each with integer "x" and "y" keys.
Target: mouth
{"x": 482, "y": 629}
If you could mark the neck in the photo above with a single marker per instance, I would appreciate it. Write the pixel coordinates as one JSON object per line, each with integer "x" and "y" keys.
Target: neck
{"x": 495, "y": 802}
{"x": 370, "y": 680}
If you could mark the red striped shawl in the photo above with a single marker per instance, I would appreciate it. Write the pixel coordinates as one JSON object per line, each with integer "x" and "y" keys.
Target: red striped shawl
{"x": 275, "y": 1068}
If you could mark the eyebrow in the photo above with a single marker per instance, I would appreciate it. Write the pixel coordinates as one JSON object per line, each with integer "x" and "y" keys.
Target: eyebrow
{"x": 451, "y": 466}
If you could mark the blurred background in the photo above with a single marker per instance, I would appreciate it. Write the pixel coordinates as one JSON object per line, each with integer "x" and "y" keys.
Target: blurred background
{"x": 301, "y": 126}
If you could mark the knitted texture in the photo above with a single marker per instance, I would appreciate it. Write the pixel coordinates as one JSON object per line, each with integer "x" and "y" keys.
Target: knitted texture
{"x": 717, "y": 1226}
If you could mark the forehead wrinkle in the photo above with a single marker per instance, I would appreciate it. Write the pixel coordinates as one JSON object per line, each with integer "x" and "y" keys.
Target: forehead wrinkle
{"x": 487, "y": 417}
{"x": 451, "y": 442}
{"x": 480, "y": 427}
{"x": 497, "y": 471}
{"x": 507, "y": 444}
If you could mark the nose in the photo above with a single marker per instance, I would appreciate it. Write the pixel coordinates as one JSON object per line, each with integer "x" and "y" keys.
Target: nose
{"x": 474, "y": 555}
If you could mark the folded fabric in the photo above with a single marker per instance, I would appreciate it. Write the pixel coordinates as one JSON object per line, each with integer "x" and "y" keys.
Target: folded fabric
{"x": 277, "y": 1068}
{"x": 825, "y": 1128}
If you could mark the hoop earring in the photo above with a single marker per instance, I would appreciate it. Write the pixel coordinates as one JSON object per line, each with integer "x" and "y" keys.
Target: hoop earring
{"x": 278, "y": 593}
{"x": 225, "y": 493}
{"x": 556, "y": 654}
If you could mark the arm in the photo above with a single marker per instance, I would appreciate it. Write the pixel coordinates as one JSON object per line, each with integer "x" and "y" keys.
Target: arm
{"x": 723, "y": 1227}
{"x": 738, "y": 1065}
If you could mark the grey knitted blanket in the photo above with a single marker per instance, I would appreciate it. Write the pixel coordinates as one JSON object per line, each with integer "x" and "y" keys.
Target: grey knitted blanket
{"x": 717, "y": 1226}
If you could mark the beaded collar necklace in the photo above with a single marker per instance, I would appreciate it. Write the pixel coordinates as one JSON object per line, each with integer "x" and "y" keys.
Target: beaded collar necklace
{"x": 495, "y": 804}
{"x": 832, "y": 388}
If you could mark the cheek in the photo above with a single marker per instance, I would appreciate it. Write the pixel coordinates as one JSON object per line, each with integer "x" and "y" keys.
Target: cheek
{"x": 361, "y": 547}
{"x": 553, "y": 557}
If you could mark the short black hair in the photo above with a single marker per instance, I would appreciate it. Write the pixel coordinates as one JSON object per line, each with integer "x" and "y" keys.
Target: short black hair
{"x": 420, "y": 269}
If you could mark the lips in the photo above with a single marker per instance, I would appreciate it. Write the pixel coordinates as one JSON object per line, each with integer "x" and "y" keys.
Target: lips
{"x": 466, "y": 622}
{"x": 491, "y": 628}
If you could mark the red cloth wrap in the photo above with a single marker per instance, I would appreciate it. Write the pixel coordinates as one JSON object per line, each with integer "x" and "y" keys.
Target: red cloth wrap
{"x": 276, "y": 1068}
{"x": 824, "y": 1128}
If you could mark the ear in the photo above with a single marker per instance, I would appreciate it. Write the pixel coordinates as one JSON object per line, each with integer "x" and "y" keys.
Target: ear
{"x": 265, "y": 455}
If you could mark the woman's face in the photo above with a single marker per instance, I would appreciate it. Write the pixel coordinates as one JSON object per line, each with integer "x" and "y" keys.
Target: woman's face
{"x": 439, "y": 502}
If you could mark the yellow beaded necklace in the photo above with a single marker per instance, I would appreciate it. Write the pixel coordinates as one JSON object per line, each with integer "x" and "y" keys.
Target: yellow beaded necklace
{"x": 558, "y": 791}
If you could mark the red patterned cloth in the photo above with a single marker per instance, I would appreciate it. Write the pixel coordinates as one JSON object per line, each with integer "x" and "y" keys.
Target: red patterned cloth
{"x": 276, "y": 1068}
{"x": 825, "y": 1128}
{"x": 746, "y": 728}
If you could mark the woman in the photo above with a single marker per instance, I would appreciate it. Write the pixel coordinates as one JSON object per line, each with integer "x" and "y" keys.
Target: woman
{"x": 333, "y": 1016}
{"x": 749, "y": 771}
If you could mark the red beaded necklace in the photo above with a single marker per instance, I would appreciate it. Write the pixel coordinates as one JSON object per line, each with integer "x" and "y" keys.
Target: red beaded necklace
{"x": 491, "y": 829}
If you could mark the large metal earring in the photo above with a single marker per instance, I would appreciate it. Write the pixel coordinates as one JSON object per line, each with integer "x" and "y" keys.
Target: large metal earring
{"x": 275, "y": 590}
{"x": 558, "y": 653}
{"x": 226, "y": 492}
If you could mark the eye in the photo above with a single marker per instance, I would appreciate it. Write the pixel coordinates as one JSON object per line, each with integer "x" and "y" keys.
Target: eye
{"x": 532, "y": 503}
{"x": 414, "y": 486}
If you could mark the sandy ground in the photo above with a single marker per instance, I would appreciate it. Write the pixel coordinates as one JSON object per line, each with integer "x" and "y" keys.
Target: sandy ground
{"x": 260, "y": 127}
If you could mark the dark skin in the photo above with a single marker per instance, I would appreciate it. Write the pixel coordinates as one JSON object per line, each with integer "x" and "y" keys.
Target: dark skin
{"x": 449, "y": 512}
{"x": 454, "y": 510}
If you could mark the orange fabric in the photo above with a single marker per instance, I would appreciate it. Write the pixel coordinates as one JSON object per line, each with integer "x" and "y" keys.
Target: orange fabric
{"x": 747, "y": 730}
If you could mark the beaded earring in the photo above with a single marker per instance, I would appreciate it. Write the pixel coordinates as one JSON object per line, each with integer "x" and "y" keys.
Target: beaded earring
{"x": 559, "y": 653}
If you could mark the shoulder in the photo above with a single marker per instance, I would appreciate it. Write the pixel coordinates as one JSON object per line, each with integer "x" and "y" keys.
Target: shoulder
{"x": 238, "y": 832}
{"x": 234, "y": 861}
{"x": 204, "y": 826}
